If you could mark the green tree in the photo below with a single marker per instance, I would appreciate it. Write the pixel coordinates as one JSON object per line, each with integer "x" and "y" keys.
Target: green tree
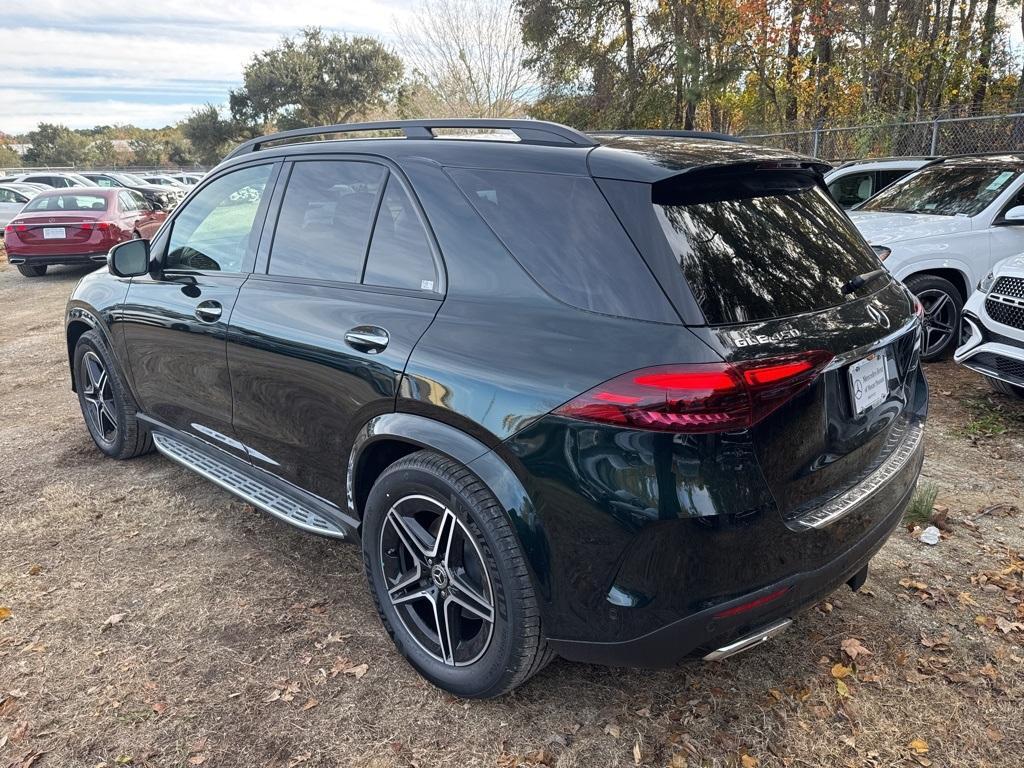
{"x": 209, "y": 134}
{"x": 8, "y": 157}
{"x": 316, "y": 79}
{"x": 147, "y": 150}
{"x": 56, "y": 145}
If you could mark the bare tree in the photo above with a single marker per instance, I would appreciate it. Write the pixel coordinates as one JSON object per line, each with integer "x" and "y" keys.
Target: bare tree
{"x": 466, "y": 59}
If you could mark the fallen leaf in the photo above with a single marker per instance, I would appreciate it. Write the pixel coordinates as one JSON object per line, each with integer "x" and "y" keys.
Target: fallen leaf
{"x": 35, "y": 569}
{"x": 749, "y": 761}
{"x": 912, "y": 584}
{"x": 920, "y": 746}
{"x": 840, "y": 670}
{"x": 18, "y": 731}
{"x": 309, "y": 704}
{"x": 358, "y": 671}
{"x": 613, "y": 730}
{"x": 679, "y": 760}
{"x": 542, "y": 756}
{"x": 842, "y": 689}
{"x": 197, "y": 759}
{"x": 637, "y": 756}
{"x": 5, "y": 613}
{"x": 853, "y": 648}
{"x": 994, "y": 735}
{"x": 112, "y": 620}
{"x": 159, "y": 707}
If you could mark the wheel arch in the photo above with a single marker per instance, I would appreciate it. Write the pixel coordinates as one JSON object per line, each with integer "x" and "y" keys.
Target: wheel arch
{"x": 389, "y": 437}
{"x": 954, "y": 273}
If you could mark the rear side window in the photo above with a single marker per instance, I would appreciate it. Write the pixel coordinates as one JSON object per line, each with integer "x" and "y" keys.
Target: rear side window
{"x": 562, "y": 231}
{"x": 761, "y": 245}
{"x": 400, "y": 255}
{"x": 67, "y": 203}
{"x": 852, "y": 189}
{"x": 326, "y": 216}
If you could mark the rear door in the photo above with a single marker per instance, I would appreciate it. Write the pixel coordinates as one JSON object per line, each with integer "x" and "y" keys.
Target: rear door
{"x": 767, "y": 256}
{"x": 175, "y": 323}
{"x": 320, "y": 336}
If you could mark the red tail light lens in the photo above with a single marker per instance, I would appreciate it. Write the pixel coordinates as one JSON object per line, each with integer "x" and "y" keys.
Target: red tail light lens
{"x": 712, "y": 397}
{"x": 102, "y": 226}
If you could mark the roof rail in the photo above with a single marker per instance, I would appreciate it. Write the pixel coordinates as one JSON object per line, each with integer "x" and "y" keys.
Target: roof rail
{"x": 714, "y": 135}
{"x": 529, "y": 131}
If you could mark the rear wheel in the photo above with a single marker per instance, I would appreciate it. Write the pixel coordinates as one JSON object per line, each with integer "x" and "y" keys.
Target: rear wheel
{"x": 449, "y": 578}
{"x": 1004, "y": 387}
{"x": 942, "y": 304}
{"x": 107, "y": 405}
{"x": 32, "y": 270}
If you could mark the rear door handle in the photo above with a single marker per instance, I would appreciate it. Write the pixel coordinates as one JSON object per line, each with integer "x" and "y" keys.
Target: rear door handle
{"x": 367, "y": 338}
{"x": 209, "y": 311}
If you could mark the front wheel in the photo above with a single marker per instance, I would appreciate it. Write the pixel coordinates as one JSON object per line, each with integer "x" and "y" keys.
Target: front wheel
{"x": 942, "y": 304}
{"x": 32, "y": 270}
{"x": 1004, "y": 387}
{"x": 449, "y": 578}
{"x": 107, "y": 405}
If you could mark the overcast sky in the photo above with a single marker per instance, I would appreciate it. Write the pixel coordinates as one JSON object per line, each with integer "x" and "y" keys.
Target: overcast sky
{"x": 93, "y": 62}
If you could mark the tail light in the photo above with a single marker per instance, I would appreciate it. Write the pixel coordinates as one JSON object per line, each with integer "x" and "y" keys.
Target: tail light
{"x": 918, "y": 308}
{"x": 711, "y": 397}
{"x": 100, "y": 226}
{"x": 14, "y": 228}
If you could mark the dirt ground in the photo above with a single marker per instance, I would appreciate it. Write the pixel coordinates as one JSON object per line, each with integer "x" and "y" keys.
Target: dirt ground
{"x": 154, "y": 620}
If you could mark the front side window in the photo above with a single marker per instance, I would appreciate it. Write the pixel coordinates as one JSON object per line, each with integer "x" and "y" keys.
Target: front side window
{"x": 400, "y": 255}
{"x": 8, "y": 196}
{"x": 944, "y": 190}
{"x": 326, "y": 215}
{"x": 218, "y": 227}
{"x": 761, "y": 245}
{"x": 852, "y": 189}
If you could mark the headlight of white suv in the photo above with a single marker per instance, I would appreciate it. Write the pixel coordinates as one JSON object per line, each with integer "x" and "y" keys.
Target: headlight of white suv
{"x": 881, "y": 251}
{"x": 985, "y": 284}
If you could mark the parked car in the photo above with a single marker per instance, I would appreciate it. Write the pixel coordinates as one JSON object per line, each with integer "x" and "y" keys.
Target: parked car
{"x": 855, "y": 181}
{"x": 615, "y": 397}
{"x": 50, "y": 178}
{"x": 160, "y": 197}
{"x": 994, "y": 325}
{"x": 77, "y": 225}
{"x": 188, "y": 179}
{"x": 162, "y": 180}
{"x": 942, "y": 228}
{"x": 12, "y": 200}
{"x": 27, "y": 187}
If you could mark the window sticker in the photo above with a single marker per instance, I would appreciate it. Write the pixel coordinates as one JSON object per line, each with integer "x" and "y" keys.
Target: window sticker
{"x": 999, "y": 181}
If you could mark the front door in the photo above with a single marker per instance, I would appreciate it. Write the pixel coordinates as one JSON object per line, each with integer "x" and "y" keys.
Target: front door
{"x": 1005, "y": 239}
{"x": 175, "y": 321}
{"x": 320, "y": 336}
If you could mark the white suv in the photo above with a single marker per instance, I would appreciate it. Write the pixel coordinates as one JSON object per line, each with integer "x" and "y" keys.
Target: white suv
{"x": 855, "y": 181}
{"x": 994, "y": 320}
{"x": 942, "y": 228}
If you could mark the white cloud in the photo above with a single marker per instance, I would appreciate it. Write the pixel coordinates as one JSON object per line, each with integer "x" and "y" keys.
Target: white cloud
{"x": 85, "y": 64}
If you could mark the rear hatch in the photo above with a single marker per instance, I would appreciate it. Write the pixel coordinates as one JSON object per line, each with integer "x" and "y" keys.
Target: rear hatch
{"x": 769, "y": 258}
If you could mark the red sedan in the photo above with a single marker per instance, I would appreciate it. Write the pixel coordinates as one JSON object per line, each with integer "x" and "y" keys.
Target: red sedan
{"x": 77, "y": 225}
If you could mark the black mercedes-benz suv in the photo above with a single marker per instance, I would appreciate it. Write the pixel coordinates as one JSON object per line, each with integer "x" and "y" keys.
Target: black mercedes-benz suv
{"x": 621, "y": 397}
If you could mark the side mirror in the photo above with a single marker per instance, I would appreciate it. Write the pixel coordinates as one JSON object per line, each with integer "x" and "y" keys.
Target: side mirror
{"x": 1015, "y": 215}
{"x": 129, "y": 259}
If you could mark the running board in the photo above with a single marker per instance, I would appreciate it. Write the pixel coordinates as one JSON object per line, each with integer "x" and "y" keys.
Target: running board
{"x": 748, "y": 642}
{"x": 245, "y": 486}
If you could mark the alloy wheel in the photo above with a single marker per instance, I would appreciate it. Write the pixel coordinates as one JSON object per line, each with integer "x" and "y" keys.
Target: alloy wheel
{"x": 98, "y": 398}
{"x": 940, "y": 319}
{"x": 437, "y": 580}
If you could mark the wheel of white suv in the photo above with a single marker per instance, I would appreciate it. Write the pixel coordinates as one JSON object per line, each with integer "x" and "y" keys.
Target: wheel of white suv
{"x": 449, "y": 579}
{"x": 1004, "y": 387}
{"x": 942, "y": 304}
{"x": 107, "y": 404}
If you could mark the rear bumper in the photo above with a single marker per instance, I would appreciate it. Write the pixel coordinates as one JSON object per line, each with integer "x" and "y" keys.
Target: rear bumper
{"x": 705, "y": 631}
{"x": 57, "y": 260}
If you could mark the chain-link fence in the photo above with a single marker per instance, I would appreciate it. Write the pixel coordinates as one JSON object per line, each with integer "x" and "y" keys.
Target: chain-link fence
{"x": 944, "y": 136}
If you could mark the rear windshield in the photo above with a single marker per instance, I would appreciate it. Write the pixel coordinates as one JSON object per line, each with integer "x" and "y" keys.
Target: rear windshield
{"x": 46, "y": 202}
{"x": 561, "y": 230}
{"x": 761, "y": 245}
{"x": 944, "y": 190}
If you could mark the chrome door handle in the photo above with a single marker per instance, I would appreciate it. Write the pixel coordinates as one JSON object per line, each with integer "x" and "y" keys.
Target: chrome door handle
{"x": 209, "y": 311}
{"x": 367, "y": 338}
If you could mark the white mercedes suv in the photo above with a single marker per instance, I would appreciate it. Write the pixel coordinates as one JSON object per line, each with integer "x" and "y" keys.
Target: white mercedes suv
{"x": 942, "y": 228}
{"x": 994, "y": 326}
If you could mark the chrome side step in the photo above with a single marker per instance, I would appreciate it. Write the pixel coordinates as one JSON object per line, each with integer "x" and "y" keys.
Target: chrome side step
{"x": 745, "y": 643}
{"x": 259, "y": 494}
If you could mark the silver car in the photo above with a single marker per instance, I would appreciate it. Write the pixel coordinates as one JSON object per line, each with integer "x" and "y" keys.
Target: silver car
{"x": 12, "y": 199}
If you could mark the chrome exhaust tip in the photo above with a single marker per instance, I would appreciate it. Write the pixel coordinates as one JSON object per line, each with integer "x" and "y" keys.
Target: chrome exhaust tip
{"x": 749, "y": 641}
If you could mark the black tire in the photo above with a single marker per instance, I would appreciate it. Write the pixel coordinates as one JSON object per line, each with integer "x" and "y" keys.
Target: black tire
{"x": 110, "y": 414}
{"x": 943, "y": 304}
{"x": 1005, "y": 387}
{"x": 515, "y": 648}
{"x": 32, "y": 270}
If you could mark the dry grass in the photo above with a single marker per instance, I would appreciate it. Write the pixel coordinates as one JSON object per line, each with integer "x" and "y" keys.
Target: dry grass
{"x": 221, "y": 604}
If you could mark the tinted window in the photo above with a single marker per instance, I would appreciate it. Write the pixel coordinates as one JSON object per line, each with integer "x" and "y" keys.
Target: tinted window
{"x": 885, "y": 178}
{"x": 562, "y": 231}
{"x": 945, "y": 190}
{"x": 58, "y": 202}
{"x": 754, "y": 247}
{"x": 324, "y": 225}
{"x": 399, "y": 252}
{"x": 852, "y": 190}
{"x": 127, "y": 203}
{"x": 216, "y": 229}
